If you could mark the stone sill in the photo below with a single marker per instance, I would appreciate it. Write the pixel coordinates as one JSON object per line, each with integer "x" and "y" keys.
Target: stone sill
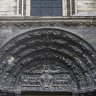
{"x": 47, "y": 19}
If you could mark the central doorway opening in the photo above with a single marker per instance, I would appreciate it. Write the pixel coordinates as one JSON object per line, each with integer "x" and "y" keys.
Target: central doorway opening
{"x": 46, "y": 93}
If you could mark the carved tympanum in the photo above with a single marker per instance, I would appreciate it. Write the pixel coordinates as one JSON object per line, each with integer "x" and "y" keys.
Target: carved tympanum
{"x": 47, "y": 59}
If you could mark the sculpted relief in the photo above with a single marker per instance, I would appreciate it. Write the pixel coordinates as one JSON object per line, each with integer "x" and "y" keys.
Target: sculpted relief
{"x": 47, "y": 59}
{"x": 47, "y": 77}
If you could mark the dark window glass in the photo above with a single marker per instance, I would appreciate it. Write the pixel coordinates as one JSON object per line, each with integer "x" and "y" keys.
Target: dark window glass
{"x": 36, "y": 11}
{"x": 46, "y": 7}
{"x": 46, "y": 11}
{"x": 56, "y": 11}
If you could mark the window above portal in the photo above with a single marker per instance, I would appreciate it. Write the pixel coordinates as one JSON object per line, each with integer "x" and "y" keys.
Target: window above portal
{"x": 47, "y": 7}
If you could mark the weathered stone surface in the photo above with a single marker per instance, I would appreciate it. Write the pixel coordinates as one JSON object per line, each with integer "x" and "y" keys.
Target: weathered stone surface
{"x": 7, "y": 32}
{"x": 8, "y": 7}
{"x": 47, "y": 59}
{"x": 10, "y": 27}
{"x": 85, "y": 7}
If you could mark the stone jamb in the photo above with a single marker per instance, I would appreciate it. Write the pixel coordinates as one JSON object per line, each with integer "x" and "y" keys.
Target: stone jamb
{"x": 64, "y": 7}
{"x": 28, "y": 6}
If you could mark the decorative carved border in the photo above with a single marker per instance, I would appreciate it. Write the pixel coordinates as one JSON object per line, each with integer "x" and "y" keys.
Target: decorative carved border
{"x": 24, "y": 7}
{"x": 47, "y": 24}
{"x": 68, "y": 7}
{"x": 73, "y": 6}
{"x": 20, "y": 7}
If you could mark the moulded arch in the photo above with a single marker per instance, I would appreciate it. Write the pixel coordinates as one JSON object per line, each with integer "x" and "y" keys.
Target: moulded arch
{"x": 48, "y": 47}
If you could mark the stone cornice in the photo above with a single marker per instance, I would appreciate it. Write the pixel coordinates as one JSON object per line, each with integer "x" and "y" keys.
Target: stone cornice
{"x": 28, "y": 18}
{"x": 48, "y": 21}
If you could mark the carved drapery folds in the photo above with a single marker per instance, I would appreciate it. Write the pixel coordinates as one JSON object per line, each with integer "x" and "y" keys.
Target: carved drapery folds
{"x": 48, "y": 59}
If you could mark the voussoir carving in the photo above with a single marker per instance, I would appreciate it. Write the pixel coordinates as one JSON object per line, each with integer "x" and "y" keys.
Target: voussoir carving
{"x": 47, "y": 59}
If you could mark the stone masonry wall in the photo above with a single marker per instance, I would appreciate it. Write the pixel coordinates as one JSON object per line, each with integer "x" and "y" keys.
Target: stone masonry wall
{"x": 8, "y": 7}
{"x": 87, "y": 33}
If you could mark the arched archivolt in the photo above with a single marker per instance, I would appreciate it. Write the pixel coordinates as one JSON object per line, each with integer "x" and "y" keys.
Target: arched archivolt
{"x": 57, "y": 52}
